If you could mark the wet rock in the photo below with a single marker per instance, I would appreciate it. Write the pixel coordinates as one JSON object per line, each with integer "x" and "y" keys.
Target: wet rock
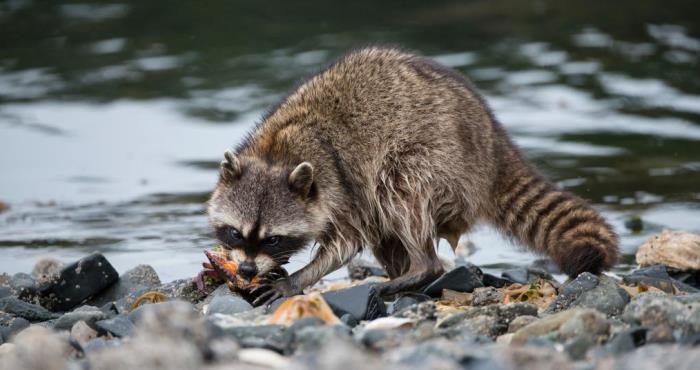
{"x": 658, "y": 277}
{"x": 530, "y": 358}
{"x": 77, "y": 282}
{"x": 99, "y": 344}
{"x": 677, "y": 249}
{"x": 657, "y": 357}
{"x": 118, "y": 326}
{"x": 495, "y": 281}
{"x": 82, "y": 333}
{"x": 486, "y": 296}
{"x": 11, "y": 325}
{"x": 46, "y": 268}
{"x": 338, "y": 354}
{"x": 440, "y": 353}
{"x": 349, "y": 320}
{"x": 544, "y": 326}
{"x": 183, "y": 289}
{"x": 160, "y": 309}
{"x": 224, "y": 350}
{"x": 29, "y": 311}
{"x": 526, "y": 275}
{"x": 228, "y": 303}
{"x": 37, "y": 348}
{"x": 362, "y": 302}
{"x": 461, "y": 279}
{"x": 484, "y": 325}
{"x": 420, "y": 311}
{"x": 626, "y": 340}
{"x": 359, "y": 269}
{"x": 131, "y": 285}
{"x": 406, "y": 300}
{"x": 313, "y": 337}
{"x": 89, "y": 314}
{"x": 23, "y": 285}
{"x": 520, "y": 322}
{"x": 587, "y": 323}
{"x": 666, "y": 318}
{"x": 587, "y": 290}
{"x": 272, "y": 337}
{"x": 634, "y": 224}
{"x": 5, "y": 291}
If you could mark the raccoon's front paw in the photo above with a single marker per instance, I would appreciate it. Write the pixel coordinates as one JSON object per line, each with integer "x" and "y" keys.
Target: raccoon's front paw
{"x": 271, "y": 292}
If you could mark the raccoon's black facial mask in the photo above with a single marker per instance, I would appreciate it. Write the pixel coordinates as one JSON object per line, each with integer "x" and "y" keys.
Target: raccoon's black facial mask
{"x": 278, "y": 247}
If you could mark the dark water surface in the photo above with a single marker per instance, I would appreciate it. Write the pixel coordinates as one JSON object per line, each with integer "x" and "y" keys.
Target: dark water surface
{"x": 113, "y": 116}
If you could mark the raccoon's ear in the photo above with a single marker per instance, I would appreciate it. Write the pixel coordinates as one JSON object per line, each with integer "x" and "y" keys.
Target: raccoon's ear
{"x": 301, "y": 179}
{"x": 230, "y": 167}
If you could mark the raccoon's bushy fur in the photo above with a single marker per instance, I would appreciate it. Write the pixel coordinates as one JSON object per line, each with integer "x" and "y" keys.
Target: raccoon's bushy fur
{"x": 402, "y": 152}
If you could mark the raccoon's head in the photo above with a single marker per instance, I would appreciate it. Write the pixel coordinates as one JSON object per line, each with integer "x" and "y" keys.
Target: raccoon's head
{"x": 264, "y": 213}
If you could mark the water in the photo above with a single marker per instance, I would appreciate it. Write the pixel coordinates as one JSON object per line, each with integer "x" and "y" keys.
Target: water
{"x": 113, "y": 117}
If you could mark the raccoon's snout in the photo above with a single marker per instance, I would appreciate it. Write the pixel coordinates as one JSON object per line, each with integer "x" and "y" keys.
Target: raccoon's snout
{"x": 247, "y": 270}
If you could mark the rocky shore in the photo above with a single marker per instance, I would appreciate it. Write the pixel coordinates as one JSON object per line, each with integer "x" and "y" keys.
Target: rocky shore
{"x": 87, "y": 316}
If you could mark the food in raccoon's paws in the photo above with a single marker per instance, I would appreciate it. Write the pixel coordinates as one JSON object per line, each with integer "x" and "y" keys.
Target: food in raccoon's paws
{"x": 221, "y": 269}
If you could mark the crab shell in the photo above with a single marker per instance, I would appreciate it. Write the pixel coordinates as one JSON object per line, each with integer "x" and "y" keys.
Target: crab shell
{"x": 229, "y": 270}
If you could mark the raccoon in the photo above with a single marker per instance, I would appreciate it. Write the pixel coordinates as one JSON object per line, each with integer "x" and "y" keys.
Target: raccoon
{"x": 389, "y": 151}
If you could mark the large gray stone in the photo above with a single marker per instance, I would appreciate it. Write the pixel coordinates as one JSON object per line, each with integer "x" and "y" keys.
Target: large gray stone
{"x": 89, "y": 314}
{"x": 228, "y": 304}
{"x": 29, "y": 311}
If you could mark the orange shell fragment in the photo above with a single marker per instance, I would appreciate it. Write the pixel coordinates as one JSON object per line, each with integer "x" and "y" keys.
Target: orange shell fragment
{"x": 299, "y": 307}
{"x": 229, "y": 269}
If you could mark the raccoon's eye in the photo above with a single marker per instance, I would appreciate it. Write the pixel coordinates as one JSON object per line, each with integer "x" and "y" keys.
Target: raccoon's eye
{"x": 229, "y": 236}
{"x": 271, "y": 241}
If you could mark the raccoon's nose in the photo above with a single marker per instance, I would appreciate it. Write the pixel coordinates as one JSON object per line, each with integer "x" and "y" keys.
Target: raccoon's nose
{"x": 247, "y": 270}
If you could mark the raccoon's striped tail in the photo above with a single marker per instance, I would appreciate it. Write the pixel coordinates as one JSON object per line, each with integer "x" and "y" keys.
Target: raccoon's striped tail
{"x": 553, "y": 222}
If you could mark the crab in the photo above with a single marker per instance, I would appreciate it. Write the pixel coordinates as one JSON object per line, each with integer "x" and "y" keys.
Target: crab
{"x": 220, "y": 269}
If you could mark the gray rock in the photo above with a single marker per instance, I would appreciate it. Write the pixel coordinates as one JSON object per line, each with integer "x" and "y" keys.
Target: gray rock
{"x": 657, "y": 276}
{"x": 313, "y": 337}
{"x": 657, "y": 357}
{"x": 667, "y": 318}
{"x": 88, "y": 314}
{"x": 626, "y": 340}
{"x": 11, "y": 325}
{"x": 407, "y": 299}
{"x": 272, "y": 337}
{"x": 29, "y": 311}
{"x": 162, "y": 308}
{"x": 183, "y": 289}
{"x": 587, "y": 323}
{"x": 23, "y": 285}
{"x": 519, "y": 322}
{"x": 98, "y": 344}
{"x": 589, "y": 291}
{"x": 481, "y": 325}
{"x": 132, "y": 284}
{"x": 486, "y": 296}
{"x": 118, "y": 326}
{"x": 228, "y": 304}
{"x": 82, "y": 333}
{"x": 420, "y": 311}
{"x": 37, "y": 348}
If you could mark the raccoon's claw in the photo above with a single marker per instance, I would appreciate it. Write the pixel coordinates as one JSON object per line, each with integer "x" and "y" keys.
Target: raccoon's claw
{"x": 206, "y": 272}
{"x": 279, "y": 289}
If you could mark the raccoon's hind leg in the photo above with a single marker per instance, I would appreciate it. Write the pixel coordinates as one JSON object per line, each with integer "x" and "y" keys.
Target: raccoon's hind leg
{"x": 411, "y": 270}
